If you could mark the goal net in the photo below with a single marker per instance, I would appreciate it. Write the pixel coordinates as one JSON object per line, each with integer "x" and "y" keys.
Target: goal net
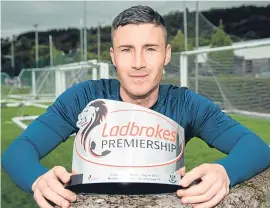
{"x": 236, "y": 77}
{"x": 45, "y": 84}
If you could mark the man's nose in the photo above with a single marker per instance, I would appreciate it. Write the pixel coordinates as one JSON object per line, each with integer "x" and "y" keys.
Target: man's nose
{"x": 138, "y": 60}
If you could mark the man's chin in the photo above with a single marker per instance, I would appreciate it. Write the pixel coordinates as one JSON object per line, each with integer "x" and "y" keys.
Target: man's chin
{"x": 139, "y": 92}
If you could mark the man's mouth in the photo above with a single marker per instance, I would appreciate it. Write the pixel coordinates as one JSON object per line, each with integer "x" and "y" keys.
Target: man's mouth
{"x": 138, "y": 75}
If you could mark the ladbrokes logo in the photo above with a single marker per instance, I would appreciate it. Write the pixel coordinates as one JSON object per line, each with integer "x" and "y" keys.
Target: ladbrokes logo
{"x": 144, "y": 135}
{"x": 91, "y": 117}
{"x": 118, "y": 134}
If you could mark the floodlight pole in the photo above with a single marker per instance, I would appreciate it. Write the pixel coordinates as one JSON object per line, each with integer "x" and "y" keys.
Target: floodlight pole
{"x": 36, "y": 40}
{"x": 51, "y": 51}
{"x": 12, "y": 54}
{"x": 185, "y": 25}
{"x": 197, "y": 46}
{"x": 81, "y": 39}
{"x": 98, "y": 41}
{"x": 85, "y": 33}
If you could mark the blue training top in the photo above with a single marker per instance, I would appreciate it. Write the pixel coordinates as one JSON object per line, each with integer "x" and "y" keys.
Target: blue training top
{"x": 247, "y": 153}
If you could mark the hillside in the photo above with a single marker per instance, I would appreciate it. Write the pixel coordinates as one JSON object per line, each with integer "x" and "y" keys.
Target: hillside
{"x": 242, "y": 23}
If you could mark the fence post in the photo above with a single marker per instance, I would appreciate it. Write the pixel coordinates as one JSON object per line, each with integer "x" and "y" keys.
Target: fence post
{"x": 60, "y": 82}
{"x": 94, "y": 70}
{"x": 183, "y": 70}
{"x": 34, "y": 92}
{"x": 104, "y": 70}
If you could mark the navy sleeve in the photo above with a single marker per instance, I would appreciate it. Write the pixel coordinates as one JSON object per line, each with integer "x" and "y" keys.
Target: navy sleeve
{"x": 22, "y": 158}
{"x": 248, "y": 154}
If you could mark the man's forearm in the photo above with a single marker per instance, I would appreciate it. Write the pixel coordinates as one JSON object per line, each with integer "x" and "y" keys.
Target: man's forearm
{"x": 21, "y": 162}
{"x": 249, "y": 157}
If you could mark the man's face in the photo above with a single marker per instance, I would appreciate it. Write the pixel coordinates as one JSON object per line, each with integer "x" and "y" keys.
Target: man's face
{"x": 139, "y": 54}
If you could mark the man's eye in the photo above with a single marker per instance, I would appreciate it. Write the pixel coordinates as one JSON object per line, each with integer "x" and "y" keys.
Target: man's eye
{"x": 150, "y": 49}
{"x": 126, "y": 50}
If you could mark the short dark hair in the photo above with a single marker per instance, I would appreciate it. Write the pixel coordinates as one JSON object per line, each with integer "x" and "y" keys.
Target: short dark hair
{"x": 138, "y": 15}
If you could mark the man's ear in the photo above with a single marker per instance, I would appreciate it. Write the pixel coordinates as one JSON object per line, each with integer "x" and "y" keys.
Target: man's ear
{"x": 168, "y": 54}
{"x": 112, "y": 55}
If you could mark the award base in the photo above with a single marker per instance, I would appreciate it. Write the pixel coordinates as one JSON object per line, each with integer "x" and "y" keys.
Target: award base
{"x": 124, "y": 188}
{"x": 76, "y": 186}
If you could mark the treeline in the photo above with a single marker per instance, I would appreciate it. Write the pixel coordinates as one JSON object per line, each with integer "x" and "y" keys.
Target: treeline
{"x": 242, "y": 23}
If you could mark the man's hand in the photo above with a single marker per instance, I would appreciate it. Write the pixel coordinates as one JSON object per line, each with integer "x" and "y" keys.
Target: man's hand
{"x": 210, "y": 191}
{"x": 50, "y": 187}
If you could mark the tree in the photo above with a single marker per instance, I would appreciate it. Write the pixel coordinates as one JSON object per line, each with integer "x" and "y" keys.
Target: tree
{"x": 44, "y": 56}
{"x": 91, "y": 56}
{"x": 178, "y": 42}
{"x": 105, "y": 55}
{"x": 203, "y": 41}
{"x": 220, "y": 38}
{"x": 58, "y": 56}
{"x": 221, "y": 61}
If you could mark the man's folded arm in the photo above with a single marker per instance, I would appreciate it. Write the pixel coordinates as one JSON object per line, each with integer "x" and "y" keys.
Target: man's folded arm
{"x": 22, "y": 158}
{"x": 248, "y": 157}
{"x": 247, "y": 153}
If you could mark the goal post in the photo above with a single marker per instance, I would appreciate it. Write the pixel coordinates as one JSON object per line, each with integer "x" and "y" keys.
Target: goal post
{"x": 49, "y": 82}
{"x": 236, "y": 77}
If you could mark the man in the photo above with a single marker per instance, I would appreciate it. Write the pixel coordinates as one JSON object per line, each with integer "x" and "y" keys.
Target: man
{"x": 139, "y": 53}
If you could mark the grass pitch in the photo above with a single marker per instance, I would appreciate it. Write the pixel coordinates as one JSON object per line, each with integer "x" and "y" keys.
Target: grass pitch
{"x": 196, "y": 152}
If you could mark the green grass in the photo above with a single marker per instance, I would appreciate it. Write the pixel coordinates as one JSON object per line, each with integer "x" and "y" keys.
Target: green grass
{"x": 196, "y": 152}
{"x": 13, "y": 197}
